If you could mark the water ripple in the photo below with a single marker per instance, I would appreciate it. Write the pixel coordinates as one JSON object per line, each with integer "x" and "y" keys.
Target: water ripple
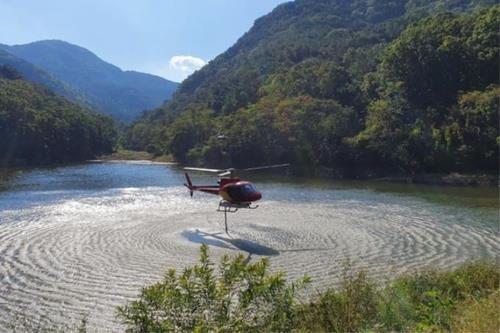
{"x": 84, "y": 254}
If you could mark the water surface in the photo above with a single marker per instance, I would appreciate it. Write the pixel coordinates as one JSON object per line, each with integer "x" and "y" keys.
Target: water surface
{"x": 78, "y": 241}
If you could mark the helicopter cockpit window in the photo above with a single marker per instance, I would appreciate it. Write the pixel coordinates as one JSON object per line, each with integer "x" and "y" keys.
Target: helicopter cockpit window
{"x": 240, "y": 193}
{"x": 248, "y": 188}
{"x": 235, "y": 193}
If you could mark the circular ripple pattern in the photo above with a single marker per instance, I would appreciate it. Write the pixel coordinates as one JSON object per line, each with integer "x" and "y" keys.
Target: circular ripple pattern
{"x": 80, "y": 253}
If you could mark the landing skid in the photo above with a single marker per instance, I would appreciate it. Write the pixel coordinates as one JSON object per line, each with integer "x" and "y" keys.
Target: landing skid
{"x": 229, "y": 207}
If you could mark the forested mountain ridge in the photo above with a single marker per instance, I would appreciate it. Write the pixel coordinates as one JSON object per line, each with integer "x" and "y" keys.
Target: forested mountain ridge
{"x": 39, "y": 127}
{"x": 34, "y": 74}
{"x": 323, "y": 83}
{"x": 123, "y": 94}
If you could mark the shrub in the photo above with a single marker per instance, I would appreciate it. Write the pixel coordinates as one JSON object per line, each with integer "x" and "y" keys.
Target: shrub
{"x": 350, "y": 309}
{"x": 427, "y": 300}
{"x": 424, "y": 301}
{"x": 242, "y": 297}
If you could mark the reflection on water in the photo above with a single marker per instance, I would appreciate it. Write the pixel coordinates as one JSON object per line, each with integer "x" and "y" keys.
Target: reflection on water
{"x": 83, "y": 239}
{"x": 6, "y": 178}
{"x": 481, "y": 197}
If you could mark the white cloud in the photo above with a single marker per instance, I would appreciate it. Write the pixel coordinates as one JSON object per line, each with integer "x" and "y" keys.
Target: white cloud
{"x": 186, "y": 64}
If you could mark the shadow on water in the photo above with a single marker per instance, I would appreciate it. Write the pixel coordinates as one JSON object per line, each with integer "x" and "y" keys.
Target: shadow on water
{"x": 225, "y": 241}
{"x": 228, "y": 242}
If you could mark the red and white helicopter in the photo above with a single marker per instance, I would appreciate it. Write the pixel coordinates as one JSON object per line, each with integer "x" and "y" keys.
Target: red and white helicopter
{"x": 235, "y": 193}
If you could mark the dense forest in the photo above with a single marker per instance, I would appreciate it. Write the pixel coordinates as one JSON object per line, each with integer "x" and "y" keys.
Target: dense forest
{"x": 39, "y": 127}
{"x": 355, "y": 87}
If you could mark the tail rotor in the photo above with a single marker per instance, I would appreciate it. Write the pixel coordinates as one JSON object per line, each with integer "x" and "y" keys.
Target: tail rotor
{"x": 189, "y": 184}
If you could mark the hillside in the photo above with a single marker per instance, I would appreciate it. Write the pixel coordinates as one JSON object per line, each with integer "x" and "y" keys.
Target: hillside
{"x": 122, "y": 94}
{"x": 32, "y": 73}
{"x": 39, "y": 127}
{"x": 322, "y": 84}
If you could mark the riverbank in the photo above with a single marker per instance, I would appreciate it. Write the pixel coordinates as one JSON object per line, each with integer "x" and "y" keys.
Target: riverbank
{"x": 448, "y": 179}
{"x": 441, "y": 179}
{"x": 131, "y": 155}
{"x": 452, "y": 179}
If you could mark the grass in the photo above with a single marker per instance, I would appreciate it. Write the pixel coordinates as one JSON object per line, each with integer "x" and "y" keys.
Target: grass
{"x": 430, "y": 300}
{"x": 478, "y": 315}
{"x": 350, "y": 308}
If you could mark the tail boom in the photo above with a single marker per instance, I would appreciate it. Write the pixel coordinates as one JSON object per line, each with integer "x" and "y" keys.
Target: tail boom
{"x": 205, "y": 188}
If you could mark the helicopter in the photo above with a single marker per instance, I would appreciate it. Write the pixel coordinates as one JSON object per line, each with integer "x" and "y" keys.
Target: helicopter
{"x": 235, "y": 193}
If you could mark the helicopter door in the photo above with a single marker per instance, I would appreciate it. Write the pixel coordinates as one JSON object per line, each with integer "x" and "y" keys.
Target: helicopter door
{"x": 236, "y": 193}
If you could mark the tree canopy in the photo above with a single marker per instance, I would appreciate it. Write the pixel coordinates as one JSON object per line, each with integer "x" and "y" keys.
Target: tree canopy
{"x": 359, "y": 87}
{"x": 39, "y": 127}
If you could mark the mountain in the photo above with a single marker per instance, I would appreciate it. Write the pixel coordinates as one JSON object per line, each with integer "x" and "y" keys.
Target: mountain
{"x": 122, "y": 94}
{"x": 301, "y": 30}
{"x": 39, "y": 127}
{"x": 325, "y": 84}
{"x": 32, "y": 73}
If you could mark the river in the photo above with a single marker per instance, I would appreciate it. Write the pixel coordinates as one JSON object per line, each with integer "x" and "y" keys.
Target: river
{"x": 77, "y": 241}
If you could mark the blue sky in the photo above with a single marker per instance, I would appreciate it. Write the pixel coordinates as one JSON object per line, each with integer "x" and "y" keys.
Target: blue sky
{"x": 164, "y": 37}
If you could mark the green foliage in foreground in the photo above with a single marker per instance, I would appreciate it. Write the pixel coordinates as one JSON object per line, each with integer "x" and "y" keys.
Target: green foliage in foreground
{"x": 244, "y": 296}
{"x": 478, "y": 316}
{"x": 425, "y": 301}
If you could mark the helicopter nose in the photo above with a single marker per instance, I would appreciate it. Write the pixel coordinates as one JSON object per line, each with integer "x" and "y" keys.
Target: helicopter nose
{"x": 256, "y": 196}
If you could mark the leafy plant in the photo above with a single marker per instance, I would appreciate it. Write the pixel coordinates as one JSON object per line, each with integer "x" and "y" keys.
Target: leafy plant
{"x": 351, "y": 308}
{"x": 243, "y": 296}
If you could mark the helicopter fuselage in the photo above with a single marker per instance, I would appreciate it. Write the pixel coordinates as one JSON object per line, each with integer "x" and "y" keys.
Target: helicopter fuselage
{"x": 232, "y": 190}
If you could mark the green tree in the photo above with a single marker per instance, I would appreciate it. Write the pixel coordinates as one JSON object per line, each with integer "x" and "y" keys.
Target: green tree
{"x": 471, "y": 132}
{"x": 39, "y": 127}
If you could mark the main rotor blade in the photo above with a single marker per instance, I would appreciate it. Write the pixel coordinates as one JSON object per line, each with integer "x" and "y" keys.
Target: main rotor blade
{"x": 229, "y": 172}
{"x": 204, "y": 170}
{"x": 267, "y": 167}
